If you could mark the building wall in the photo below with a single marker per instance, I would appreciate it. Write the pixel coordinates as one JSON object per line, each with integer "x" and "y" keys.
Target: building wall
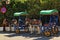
{"x": 7, "y": 28}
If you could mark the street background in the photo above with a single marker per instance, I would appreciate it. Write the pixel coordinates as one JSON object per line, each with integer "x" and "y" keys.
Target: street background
{"x": 26, "y": 36}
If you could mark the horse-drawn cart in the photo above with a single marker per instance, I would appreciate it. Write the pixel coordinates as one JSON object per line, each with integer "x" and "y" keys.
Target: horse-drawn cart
{"x": 50, "y": 21}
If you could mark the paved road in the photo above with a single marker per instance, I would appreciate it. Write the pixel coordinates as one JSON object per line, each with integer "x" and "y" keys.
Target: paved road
{"x": 25, "y": 36}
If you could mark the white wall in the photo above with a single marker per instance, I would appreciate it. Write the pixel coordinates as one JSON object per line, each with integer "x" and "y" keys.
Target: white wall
{"x": 7, "y": 28}
{"x": 12, "y": 29}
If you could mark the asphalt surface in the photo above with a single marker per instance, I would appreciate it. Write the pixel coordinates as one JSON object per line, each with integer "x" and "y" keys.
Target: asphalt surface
{"x": 26, "y": 36}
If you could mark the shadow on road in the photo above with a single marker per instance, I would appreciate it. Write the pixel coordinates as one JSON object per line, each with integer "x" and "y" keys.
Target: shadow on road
{"x": 20, "y": 34}
{"x": 37, "y": 37}
{"x": 43, "y": 38}
{"x": 14, "y": 34}
{"x": 47, "y": 38}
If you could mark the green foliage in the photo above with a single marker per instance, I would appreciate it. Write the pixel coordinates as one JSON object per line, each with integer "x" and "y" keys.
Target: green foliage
{"x": 32, "y": 7}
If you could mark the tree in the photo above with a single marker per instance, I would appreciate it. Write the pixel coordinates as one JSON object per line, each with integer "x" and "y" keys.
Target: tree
{"x": 33, "y": 7}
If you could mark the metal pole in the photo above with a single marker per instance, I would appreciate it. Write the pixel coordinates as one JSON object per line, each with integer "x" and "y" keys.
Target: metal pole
{"x": 4, "y": 25}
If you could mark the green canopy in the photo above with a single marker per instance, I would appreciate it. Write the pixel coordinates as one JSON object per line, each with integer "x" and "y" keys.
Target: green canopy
{"x": 20, "y": 13}
{"x": 48, "y": 12}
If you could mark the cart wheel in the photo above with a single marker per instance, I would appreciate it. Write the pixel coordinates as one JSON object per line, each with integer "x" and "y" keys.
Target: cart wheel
{"x": 17, "y": 31}
{"x": 47, "y": 33}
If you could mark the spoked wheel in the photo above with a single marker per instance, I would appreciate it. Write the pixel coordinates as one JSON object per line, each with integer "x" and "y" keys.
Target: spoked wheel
{"x": 17, "y": 31}
{"x": 55, "y": 30}
{"x": 47, "y": 33}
